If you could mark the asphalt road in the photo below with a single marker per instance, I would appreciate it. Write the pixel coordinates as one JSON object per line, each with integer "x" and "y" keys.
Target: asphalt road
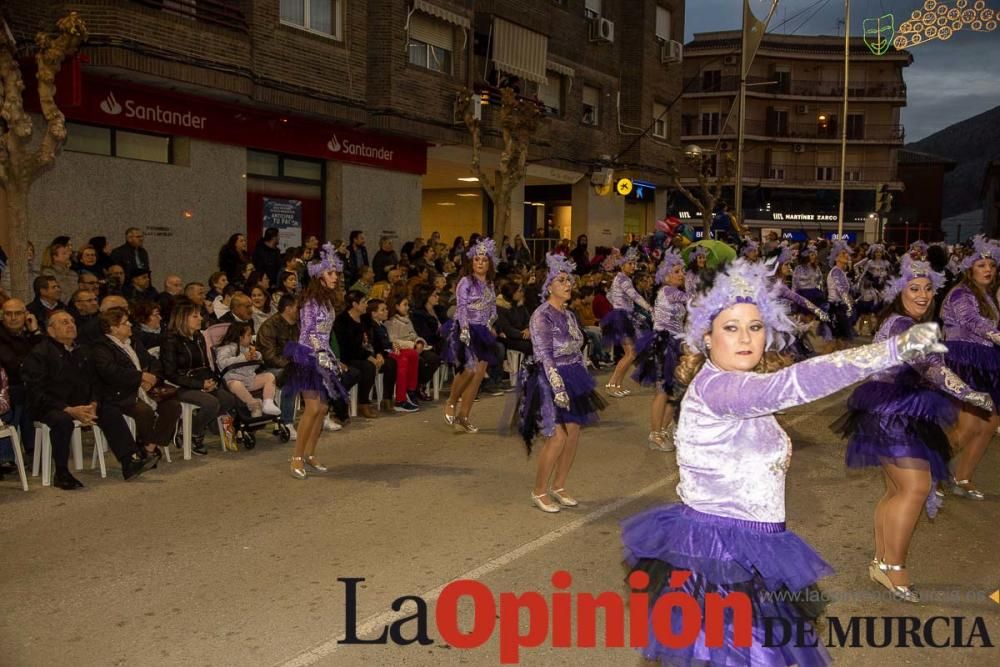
{"x": 227, "y": 560}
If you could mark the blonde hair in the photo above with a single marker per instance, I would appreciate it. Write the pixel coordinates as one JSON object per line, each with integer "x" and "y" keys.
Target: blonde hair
{"x": 380, "y": 290}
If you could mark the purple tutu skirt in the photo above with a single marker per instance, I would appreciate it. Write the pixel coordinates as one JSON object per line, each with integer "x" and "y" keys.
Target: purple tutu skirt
{"x": 482, "y": 345}
{"x": 775, "y": 568}
{"x": 305, "y": 374}
{"x": 978, "y": 365}
{"x": 537, "y": 413}
{"x": 617, "y": 327}
{"x": 901, "y": 424}
{"x": 817, "y": 296}
{"x": 657, "y": 354}
{"x": 841, "y": 323}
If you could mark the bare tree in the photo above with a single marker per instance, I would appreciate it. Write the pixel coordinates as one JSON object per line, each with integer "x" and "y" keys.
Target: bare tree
{"x": 23, "y": 160}
{"x": 519, "y": 119}
{"x": 712, "y": 175}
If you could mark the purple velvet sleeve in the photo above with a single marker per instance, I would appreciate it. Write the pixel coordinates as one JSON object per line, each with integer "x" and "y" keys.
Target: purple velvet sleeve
{"x": 464, "y": 293}
{"x": 839, "y": 287}
{"x": 541, "y": 328}
{"x": 795, "y": 297}
{"x": 629, "y": 288}
{"x": 744, "y": 395}
{"x": 308, "y": 335}
{"x": 931, "y": 367}
{"x": 965, "y": 313}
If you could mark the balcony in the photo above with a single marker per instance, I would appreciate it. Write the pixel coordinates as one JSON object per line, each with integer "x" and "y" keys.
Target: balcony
{"x": 225, "y": 13}
{"x": 814, "y": 176}
{"x": 694, "y": 127}
{"x": 872, "y": 90}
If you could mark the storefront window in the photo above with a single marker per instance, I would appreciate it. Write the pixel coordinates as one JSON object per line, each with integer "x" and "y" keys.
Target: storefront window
{"x": 260, "y": 163}
{"x": 147, "y": 147}
{"x": 263, "y": 164}
{"x": 88, "y": 139}
{"x": 307, "y": 170}
{"x": 118, "y": 143}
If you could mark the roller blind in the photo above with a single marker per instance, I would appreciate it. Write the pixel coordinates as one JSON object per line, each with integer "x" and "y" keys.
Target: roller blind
{"x": 519, "y": 51}
{"x": 431, "y": 31}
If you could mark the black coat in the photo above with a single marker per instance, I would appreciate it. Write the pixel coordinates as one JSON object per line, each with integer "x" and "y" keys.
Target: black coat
{"x": 268, "y": 260}
{"x": 351, "y": 338}
{"x": 511, "y": 322}
{"x": 116, "y": 378}
{"x": 231, "y": 262}
{"x": 426, "y": 325}
{"x": 14, "y": 348}
{"x": 130, "y": 258}
{"x": 185, "y": 361}
{"x": 57, "y": 378}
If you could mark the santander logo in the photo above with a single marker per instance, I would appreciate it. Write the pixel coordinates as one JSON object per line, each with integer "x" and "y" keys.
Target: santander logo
{"x": 347, "y": 147}
{"x": 110, "y": 105}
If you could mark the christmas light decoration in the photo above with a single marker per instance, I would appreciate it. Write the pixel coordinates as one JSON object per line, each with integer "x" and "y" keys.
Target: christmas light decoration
{"x": 879, "y": 32}
{"x": 939, "y": 20}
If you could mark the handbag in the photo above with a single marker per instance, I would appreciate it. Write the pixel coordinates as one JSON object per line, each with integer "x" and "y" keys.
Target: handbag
{"x": 162, "y": 392}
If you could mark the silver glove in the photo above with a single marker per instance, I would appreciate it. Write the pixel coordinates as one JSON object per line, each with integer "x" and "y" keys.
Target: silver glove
{"x": 823, "y": 317}
{"x": 464, "y": 336}
{"x": 920, "y": 340}
{"x": 324, "y": 360}
{"x": 562, "y": 400}
{"x": 981, "y": 400}
{"x": 994, "y": 336}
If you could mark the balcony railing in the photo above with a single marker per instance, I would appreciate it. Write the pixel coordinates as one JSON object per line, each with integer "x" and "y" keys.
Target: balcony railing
{"x": 892, "y": 133}
{"x": 226, "y": 13}
{"x": 759, "y": 171}
{"x": 895, "y": 90}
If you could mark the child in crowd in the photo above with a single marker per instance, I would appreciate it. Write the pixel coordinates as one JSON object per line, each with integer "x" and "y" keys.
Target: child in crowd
{"x": 238, "y": 361}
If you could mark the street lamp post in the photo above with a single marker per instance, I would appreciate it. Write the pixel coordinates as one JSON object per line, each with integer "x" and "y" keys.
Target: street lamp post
{"x": 843, "y": 118}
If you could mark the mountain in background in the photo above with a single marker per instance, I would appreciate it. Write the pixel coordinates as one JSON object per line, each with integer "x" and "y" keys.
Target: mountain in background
{"x": 971, "y": 143}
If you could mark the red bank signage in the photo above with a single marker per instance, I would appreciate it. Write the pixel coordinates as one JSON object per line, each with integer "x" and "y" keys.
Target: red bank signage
{"x": 129, "y": 106}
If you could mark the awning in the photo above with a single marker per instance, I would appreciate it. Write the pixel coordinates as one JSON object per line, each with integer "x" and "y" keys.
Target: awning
{"x": 441, "y": 13}
{"x": 519, "y": 51}
{"x": 558, "y": 68}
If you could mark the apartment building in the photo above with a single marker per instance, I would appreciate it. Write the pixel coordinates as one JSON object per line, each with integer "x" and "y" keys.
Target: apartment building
{"x": 195, "y": 119}
{"x": 794, "y": 121}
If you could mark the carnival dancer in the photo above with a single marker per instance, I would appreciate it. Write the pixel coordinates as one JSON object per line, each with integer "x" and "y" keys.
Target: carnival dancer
{"x": 896, "y": 421}
{"x": 838, "y": 289}
{"x": 918, "y": 250}
{"x": 807, "y": 278}
{"x": 728, "y": 532}
{"x": 314, "y": 370}
{"x": 556, "y": 395}
{"x": 618, "y": 326}
{"x": 658, "y": 351}
{"x": 697, "y": 261}
{"x": 470, "y": 342}
{"x": 970, "y": 317}
{"x": 796, "y": 303}
{"x": 750, "y": 251}
{"x": 873, "y": 274}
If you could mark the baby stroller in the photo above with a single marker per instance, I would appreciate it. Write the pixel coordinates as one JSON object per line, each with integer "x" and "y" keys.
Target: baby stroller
{"x": 244, "y": 424}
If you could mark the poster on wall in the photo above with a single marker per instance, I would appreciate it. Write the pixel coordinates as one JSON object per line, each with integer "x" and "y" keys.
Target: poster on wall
{"x": 286, "y": 215}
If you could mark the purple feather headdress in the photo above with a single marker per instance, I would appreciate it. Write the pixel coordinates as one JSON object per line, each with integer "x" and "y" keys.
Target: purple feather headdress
{"x": 557, "y": 264}
{"x": 838, "y": 247}
{"x": 742, "y": 282}
{"x": 750, "y": 245}
{"x": 876, "y": 247}
{"x": 919, "y": 246}
{"x": 786, "y": 255}
{"x": 485, "y": 247}
{"x": 671, "y": 258}
{"x": 328, "y": 259}
{"x": 631, "y": 255}
{"x": 696, "y": 253}
{"x": 982, "y": 248}
{"x": 911, "y": 269}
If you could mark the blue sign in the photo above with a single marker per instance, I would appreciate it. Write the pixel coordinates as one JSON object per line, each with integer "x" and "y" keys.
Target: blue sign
{"x": 642, "y": 191}
{"x": 286, "y": 215}
{"x": 794, "y": 235}
{"x": 852, "y": 237}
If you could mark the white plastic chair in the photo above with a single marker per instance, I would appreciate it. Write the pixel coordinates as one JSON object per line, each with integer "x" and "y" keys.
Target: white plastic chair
{"x": 8, "y": 431}
{"x": 187, "y": 424}
{"x": 43, "y": 450}
{"x": 514, "y": 359}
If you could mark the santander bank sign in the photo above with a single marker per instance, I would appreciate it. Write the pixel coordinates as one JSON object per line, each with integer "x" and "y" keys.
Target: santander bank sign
{"x": 155, "y": 113}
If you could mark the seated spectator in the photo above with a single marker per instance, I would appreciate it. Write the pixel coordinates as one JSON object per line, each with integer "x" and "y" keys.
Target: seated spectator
{"x": 113, "y": 301}
{"x": 238, "y": 361}
{"x": 86, "y": 261}
{"x": 272, "y": 336}
{"x": 48, "y": 298}
{"x": 357, "y": 352}
{"x": 220, "y": 304}
{"x": 513, "y": 318}
{"x": 195, "y": 293}
{"x": 384, "y": 259}
{"x": 404, "y": 336}
{"x": 148, "y": 326}
{"x": 6, "y": 417}
{"x": 365, "y": 280}
{"x": 139, "y": 288}
{"x": 423, "y": 317}
{"x": 240, "y": 310}
{"x": 256, "y": 279}
{"x": 173, "y": 289}
{"x": 217, "y": 282}
{"x": 60, "y": 266}
{"x": 580, "y": 304}
{"x": 261, "y": 307}
{"x": 233, "y": 257}
{"x": 100, "y": 244}
{"x": 131, "y": 255}
{"x": 114, "y": 280}
{"x": 126, "y": 376}
{"x": 407, "y": 361}
{"x": 58, "y": 377}
{"x": 288, "y": 283}
{"x": 185, "y": 363}
{"x": 19, "y": 332}
{"x": 84, "y": 309}
{"x": 88, "y": 281}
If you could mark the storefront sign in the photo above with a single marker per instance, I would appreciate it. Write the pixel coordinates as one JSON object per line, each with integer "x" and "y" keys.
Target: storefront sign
{"x": 126, "y": 105}
{"x": 846, "y": 236}
{"x": 286, "y": 216}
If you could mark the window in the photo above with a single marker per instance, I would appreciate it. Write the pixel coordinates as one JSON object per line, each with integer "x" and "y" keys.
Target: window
{"x": 592, "y": 8}
{"x": 663, "y": 24}
{"x": 776, "y": 173}
{"x": 852, "y": 174}
{"x": 711, "y": 81}
{"x": 824, "y": 173}
{"x": 855, "y": 126}
{"x": 550, "y": 93}
{"x": 431, "y": 43}
{"x": 660, "y": 120}
{"x": 783, "y": 80}
{"x": 591, "y": 106}
{"x": 260, "y": 163}
{"x": 321, "y": 16}
{"x": 826, "y": 126}
{"x": 710, "y": 121}
{"x": 118, "y": 143}
{"x": 777, "y": 122}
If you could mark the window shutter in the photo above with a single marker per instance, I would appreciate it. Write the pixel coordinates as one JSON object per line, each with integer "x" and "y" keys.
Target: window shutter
{"x": 431, "y": 31}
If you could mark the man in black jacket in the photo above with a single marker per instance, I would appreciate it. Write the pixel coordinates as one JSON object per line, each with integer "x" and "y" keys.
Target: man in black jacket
{"x": 83, "y": 307}
{"x": 19, "y": 332}
{"x": 48, "y": 298}
{"x": 131, "y": 256}
{"x": 57, "y": 374}
{"x": 266, "y": 256}
{"x": 357, "y": 256}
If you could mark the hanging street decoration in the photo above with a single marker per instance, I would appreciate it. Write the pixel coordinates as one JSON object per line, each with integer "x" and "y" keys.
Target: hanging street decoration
{"x": 879, "y": 32}
{"x": 940, "y": 20}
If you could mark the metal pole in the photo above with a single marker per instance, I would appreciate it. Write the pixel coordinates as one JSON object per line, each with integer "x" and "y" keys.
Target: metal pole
{"x": 843, "y": 119}
{"x": 738, "y": 195}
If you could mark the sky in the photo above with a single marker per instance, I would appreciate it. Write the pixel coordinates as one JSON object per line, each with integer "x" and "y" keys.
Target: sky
{"x": 947, "y": 82}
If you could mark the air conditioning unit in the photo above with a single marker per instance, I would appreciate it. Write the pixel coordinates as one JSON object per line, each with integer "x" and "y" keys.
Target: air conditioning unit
{"x": 671, "y": 52}
{"x": 799, "y": 148}
{"x": 802, "y": 109}
{"x": 602, "y": 30}
{"x": 731, "y": 60}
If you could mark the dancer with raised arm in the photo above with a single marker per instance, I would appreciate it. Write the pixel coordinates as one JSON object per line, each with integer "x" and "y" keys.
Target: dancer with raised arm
{"x": 728, "y": 532}
{"x": 658, "y": 351}
{"x": 617, "y": 326}
{"x": 843, "y": 314}
{"x": 896, "y": 421}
